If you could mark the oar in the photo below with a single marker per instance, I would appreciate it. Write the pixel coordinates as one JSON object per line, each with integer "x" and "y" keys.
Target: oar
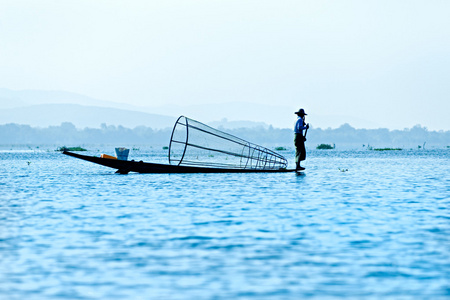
{"x": 306, "y": 131}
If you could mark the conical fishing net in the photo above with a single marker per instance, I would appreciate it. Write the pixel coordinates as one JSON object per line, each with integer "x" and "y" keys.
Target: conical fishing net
{"x": 198, "y": 145}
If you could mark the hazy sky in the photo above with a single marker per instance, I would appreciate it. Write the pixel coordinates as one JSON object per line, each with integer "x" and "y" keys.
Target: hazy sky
{"x": 384, "y": 61}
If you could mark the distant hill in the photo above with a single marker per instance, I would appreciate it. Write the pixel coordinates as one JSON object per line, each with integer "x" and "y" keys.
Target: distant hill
{"x": 278, "y": 116}
{"x": 237, "y": 113}
{"x": 12, "y": 99}
{"x": 224, "y": 123}
{"x": 81, "y": 116}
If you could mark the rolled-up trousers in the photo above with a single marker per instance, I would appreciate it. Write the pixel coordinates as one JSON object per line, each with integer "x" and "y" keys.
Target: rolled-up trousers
{"x": 300, "y": 151}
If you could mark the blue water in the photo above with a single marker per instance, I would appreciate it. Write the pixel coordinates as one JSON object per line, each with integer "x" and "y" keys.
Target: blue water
{"x": 356, "y": 224}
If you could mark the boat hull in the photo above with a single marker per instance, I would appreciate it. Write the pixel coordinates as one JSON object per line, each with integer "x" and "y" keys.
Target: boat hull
{"x": 126, "y": 166}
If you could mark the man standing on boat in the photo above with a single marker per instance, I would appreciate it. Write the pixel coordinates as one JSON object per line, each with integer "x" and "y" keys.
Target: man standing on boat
{"x": 299, "y": 138}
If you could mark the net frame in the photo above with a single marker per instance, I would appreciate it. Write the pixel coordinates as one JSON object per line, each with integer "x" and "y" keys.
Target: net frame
{"x": 243, "y": 154}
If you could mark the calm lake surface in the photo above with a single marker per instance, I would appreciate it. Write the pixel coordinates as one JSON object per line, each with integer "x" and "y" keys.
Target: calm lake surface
{"x": 356, "y": 224}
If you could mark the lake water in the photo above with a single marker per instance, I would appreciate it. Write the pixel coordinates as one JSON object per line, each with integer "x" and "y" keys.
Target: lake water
{"x": 356, "y": 224}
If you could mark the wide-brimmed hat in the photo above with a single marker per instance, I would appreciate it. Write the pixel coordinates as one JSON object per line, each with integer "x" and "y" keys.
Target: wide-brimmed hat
{"x": 301, "y": 112}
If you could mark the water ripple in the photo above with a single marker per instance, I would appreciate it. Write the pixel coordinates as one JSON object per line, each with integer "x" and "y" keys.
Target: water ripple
{"x": 72, "y": 230}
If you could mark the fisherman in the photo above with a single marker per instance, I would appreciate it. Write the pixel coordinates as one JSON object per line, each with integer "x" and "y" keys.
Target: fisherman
{"x": 299, "y": 138}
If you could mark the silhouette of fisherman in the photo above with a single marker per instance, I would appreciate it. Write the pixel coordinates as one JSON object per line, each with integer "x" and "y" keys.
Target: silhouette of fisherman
{"x": 299, "y": 138}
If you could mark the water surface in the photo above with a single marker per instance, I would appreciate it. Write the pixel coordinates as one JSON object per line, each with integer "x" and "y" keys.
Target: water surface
{"x": 355, "y": 224}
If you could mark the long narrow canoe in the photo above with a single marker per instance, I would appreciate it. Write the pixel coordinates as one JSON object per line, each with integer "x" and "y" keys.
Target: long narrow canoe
{"x": 126, "y": 166}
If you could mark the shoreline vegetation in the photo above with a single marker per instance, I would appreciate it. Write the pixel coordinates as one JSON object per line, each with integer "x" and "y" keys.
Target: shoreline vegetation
{"x": 343, "y": 137}
{"x": 64, "y": 148}
{"x": 387, "y": 149}
{"x": 325, "y": 147}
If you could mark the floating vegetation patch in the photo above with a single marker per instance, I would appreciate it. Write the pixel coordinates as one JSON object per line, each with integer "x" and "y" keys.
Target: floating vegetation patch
{"x": 280, "y": 148}
{"x": 325, "y": 147}
{"x": 64, "y": 148}
{"x": 387, "y": 149}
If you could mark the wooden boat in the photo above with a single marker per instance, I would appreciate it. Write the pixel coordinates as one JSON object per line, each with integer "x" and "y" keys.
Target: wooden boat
{"x": 192, "y": 145}
{"x": 126, "y": 166}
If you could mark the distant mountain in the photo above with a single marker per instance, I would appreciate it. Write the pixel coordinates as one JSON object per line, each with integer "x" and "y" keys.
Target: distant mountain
{"x": 254, "y": 114}
{"x": 202, "y": 112}
{"x": 12, "y": 99}
{"x": 81, "y": 116}
{"x": 212, "y": 113}
{"x": 224, "y": 123}
{"x": 30, "y": 106}
{"x": 276, "y": 115}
